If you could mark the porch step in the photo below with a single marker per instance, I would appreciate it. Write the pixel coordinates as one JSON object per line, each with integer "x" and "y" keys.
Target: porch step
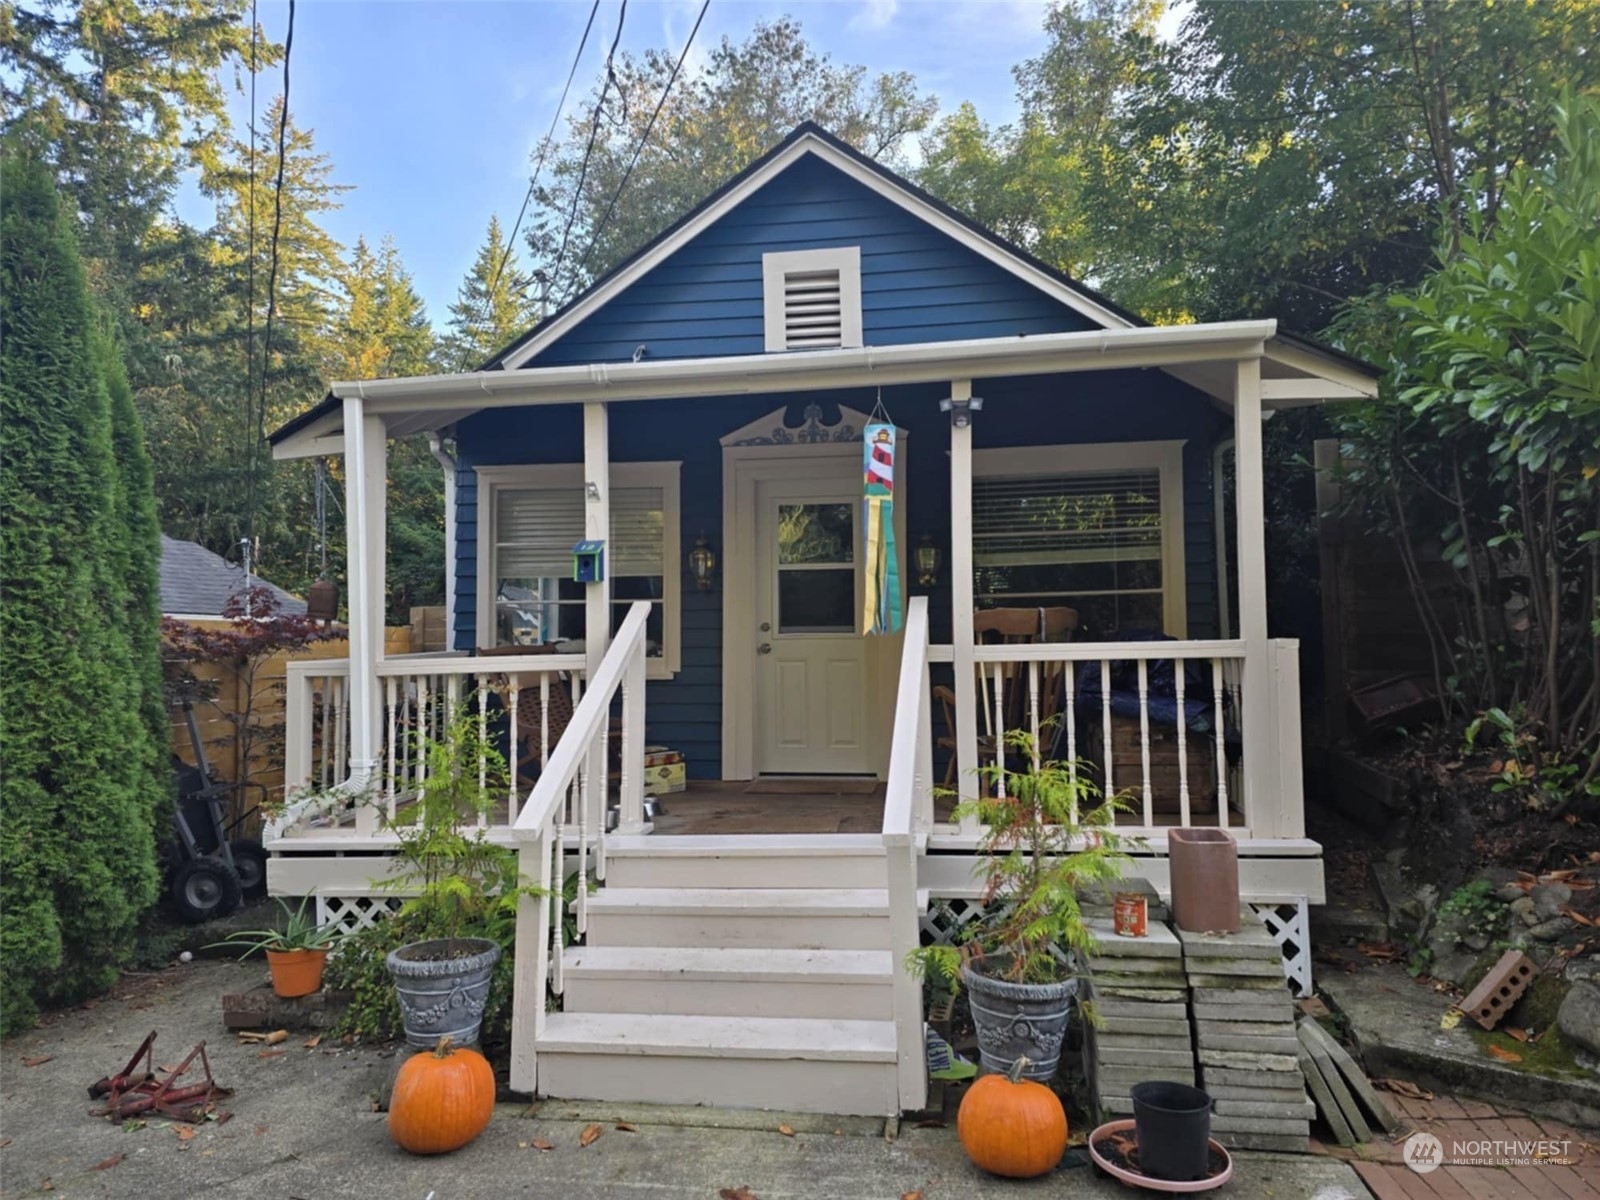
{"x": 785, "y": 1063}
{"x": 841, "y": 984}
{"x": 741, "y": 918}
{"x": 747, "y": 861}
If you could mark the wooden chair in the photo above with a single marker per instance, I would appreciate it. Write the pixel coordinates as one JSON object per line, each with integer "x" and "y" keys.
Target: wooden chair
{"x": 532, "y": 725}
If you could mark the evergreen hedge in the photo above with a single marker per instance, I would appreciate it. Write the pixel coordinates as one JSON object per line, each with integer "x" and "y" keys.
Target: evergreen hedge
{"x": 84, "y": 778}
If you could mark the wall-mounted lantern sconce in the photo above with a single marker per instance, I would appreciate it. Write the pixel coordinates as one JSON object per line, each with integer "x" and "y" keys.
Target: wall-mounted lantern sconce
{"x": 928, "y": 557}
{"x": 703, "y": 562}
{"x": 961, "y": 410}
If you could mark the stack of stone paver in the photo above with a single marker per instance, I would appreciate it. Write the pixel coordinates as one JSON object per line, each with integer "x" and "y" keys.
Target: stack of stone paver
{"x": 1245, "y": 1038}
{"x": 1140, "y": 998}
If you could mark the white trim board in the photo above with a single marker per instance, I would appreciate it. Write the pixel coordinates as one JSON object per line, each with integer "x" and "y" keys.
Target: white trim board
{"x": 1165, "y": 457}
{"x": 807, "y": 144}
{"x": 664, "y": 475}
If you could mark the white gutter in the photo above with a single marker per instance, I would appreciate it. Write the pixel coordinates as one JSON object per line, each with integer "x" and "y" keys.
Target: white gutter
{"x": 447, "y": 460}
{"x": 733, "y": 374}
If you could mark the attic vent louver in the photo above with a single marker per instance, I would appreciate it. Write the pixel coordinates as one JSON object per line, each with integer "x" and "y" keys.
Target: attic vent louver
{"x": 812, "y": 298}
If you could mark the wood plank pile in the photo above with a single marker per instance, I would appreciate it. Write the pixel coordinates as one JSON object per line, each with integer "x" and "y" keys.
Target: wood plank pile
{"x": 1140, "y": 998}
{"x": 1245, "y": 1038}
{"x": 1340, "y": 1088}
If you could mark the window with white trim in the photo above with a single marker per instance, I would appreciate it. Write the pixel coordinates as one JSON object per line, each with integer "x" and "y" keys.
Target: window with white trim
{"x": 812, "y": 298}
{"x": 1101, "y": 533}
{"x": 531, "y": 517}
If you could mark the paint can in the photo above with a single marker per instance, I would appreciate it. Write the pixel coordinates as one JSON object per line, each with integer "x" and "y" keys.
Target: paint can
{"x": 1129, "y": 912}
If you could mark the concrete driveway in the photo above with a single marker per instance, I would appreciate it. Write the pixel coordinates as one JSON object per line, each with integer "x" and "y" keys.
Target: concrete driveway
{"x": 302, "y": 1126}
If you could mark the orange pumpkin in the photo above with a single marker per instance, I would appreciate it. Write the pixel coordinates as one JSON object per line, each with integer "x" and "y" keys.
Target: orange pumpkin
{"x": 442, "y": 1100}
{"x": 1012, "y": 1126}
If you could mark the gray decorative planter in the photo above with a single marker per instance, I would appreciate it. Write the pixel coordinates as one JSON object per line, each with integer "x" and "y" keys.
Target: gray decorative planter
{"x": 443, "y": 986}
{"x": 1019, "y": 1019}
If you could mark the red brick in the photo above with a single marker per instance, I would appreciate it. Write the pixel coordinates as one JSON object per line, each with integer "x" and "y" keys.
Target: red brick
{"x": 1569, "y": 1183}
{"x": 1389, "y": 1182}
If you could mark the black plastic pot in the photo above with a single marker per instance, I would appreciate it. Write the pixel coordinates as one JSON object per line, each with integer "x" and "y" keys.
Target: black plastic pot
{"x": 1172, "y": 1127}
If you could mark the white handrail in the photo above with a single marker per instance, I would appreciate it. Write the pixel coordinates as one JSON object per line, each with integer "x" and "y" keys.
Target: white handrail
{"x": 907, "y": 789}
{"x": 1090, "y": 651}
{"x": 572, "y": 788}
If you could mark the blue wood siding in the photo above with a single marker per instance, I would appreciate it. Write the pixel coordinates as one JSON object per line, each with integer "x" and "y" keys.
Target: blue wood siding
{"x": 686, "y": 712}
{"x": 917, "y": 285}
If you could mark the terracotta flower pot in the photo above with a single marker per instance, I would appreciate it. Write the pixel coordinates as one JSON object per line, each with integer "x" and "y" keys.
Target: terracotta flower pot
{"x": 296, "y": 972}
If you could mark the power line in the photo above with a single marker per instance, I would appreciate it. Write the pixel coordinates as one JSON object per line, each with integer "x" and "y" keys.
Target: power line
{"x": 588, "y": 151}
{"x": 594, "y": 239}
{"x": 544, "y": 149}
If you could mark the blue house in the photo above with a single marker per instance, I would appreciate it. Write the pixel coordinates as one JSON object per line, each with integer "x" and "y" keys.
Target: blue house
{"x": 1064, "y": 566}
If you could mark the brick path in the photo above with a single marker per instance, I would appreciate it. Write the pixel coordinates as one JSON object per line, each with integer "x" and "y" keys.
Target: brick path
{"x": 1380, "y": 1166}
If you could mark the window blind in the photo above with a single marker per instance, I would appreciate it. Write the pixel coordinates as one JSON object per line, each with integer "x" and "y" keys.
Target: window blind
{"x": 536, "y": 528}
{"x": 1110, "y": 516}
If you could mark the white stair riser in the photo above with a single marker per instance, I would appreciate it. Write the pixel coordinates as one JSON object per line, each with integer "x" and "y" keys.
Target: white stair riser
{"x": 787, "y": 1085}
{"x": 865, "y": 1000}
{"x": 749, "y": 871}
{"x": 804, "y": 930}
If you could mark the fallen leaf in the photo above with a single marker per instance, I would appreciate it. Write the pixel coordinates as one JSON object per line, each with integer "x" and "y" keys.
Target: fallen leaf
{"x": 106, "y": 1164}
{"x": 313, "y": 1042}
{"x": 186, "y": 1133}
{"x": 47, "y": 1186}
{"x": 742, "y": 1192}
{"x": 4, "y": 1142}
{"x": 134, "y": 1126}
{"x": 1403, "y": 1087}
{"x": 626, "y": 1128}
{"x": 786, "y": 1130}
{"x": 270, "y": 1054}
{"x": 38, "y": 1060}
{"x": 590, "y": 1134}
{"x": 916, "y": 1195}
{"x": 1504, "y": 1055}
{"x": 541, "y": 1145}
{"x": 1513, "y": 1032}
{"x": 260, "y": 1129}
{"x": 1569, "y": 911}
{"x": 1451, "y": 1018}
{"x": 1558, "y": 876}
{"x": 1379, "y": 951}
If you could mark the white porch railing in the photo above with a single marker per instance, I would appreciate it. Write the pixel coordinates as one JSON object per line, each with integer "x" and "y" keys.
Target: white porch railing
{"x": 1036, "y": 688}
{"x": 907, "y": 818}
{"x": 572, "y": 790}
{"x": 418, "y": 696}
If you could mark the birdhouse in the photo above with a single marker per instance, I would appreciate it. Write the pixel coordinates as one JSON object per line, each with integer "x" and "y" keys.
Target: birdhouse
{"x": 589, "y": 562}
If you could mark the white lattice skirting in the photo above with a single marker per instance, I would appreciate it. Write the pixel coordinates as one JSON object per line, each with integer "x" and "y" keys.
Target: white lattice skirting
{"x": 351, "y": 913}
{"x": 1288, "y": 923}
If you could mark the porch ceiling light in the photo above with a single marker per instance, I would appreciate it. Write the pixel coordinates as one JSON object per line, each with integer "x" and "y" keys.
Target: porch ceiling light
{"x": 703, "y": 564}
{"x": 928, "y": 558}
{"x": 961, "y": 410}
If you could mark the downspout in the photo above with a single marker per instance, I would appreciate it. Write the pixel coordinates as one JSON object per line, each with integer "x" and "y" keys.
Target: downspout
{"x": 447, "y": 460}
{"x": 1220, "y": 518}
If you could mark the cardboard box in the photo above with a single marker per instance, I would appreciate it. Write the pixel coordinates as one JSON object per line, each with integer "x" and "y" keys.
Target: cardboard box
{"x": 666, "y": 778}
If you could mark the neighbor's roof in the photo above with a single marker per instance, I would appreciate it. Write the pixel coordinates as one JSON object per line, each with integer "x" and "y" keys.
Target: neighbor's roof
{"x": 197, "y": 583}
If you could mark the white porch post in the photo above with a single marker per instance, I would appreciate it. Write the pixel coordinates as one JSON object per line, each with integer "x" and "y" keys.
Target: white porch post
{"x": 961, "y": 599}
{"x": 597, "y": 596}
{"x": 1259, "y": 728}
{"x": 366, "y": 495}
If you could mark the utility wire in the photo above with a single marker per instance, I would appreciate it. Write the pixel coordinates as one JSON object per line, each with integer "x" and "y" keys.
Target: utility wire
{"x": 544, "y": 149}
{"x": 594, "y": 239}
{"x": 250, "y": 448}
{"x": 277, "y": 227}
{"x": 594, "y": 133}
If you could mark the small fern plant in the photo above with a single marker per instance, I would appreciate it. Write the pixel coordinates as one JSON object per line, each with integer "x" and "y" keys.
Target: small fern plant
{"x": 1050, "y": 836}
{"x": 462, "y": 883}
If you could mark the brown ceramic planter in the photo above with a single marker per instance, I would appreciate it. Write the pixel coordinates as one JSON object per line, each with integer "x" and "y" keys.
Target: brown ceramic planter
{"x": 1205, "y": 880}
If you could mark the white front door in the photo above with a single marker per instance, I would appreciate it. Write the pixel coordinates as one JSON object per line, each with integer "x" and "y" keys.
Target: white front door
{"x": 811, "y": 662}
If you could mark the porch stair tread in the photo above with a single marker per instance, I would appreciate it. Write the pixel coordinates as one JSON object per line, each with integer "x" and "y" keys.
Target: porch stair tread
{"x": 813, "y": 1039}
{"x": 738, "y": 965}
{"x": 748, "y": 845}
{"x": 826, "y": 902}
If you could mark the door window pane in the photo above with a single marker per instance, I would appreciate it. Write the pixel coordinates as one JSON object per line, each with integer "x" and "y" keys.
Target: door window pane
{"x": 817, "y": 601}
{"x": 816, "y": 533}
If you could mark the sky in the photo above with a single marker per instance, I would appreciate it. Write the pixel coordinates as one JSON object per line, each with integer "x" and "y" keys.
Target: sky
{"x": 429, "y": 108}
